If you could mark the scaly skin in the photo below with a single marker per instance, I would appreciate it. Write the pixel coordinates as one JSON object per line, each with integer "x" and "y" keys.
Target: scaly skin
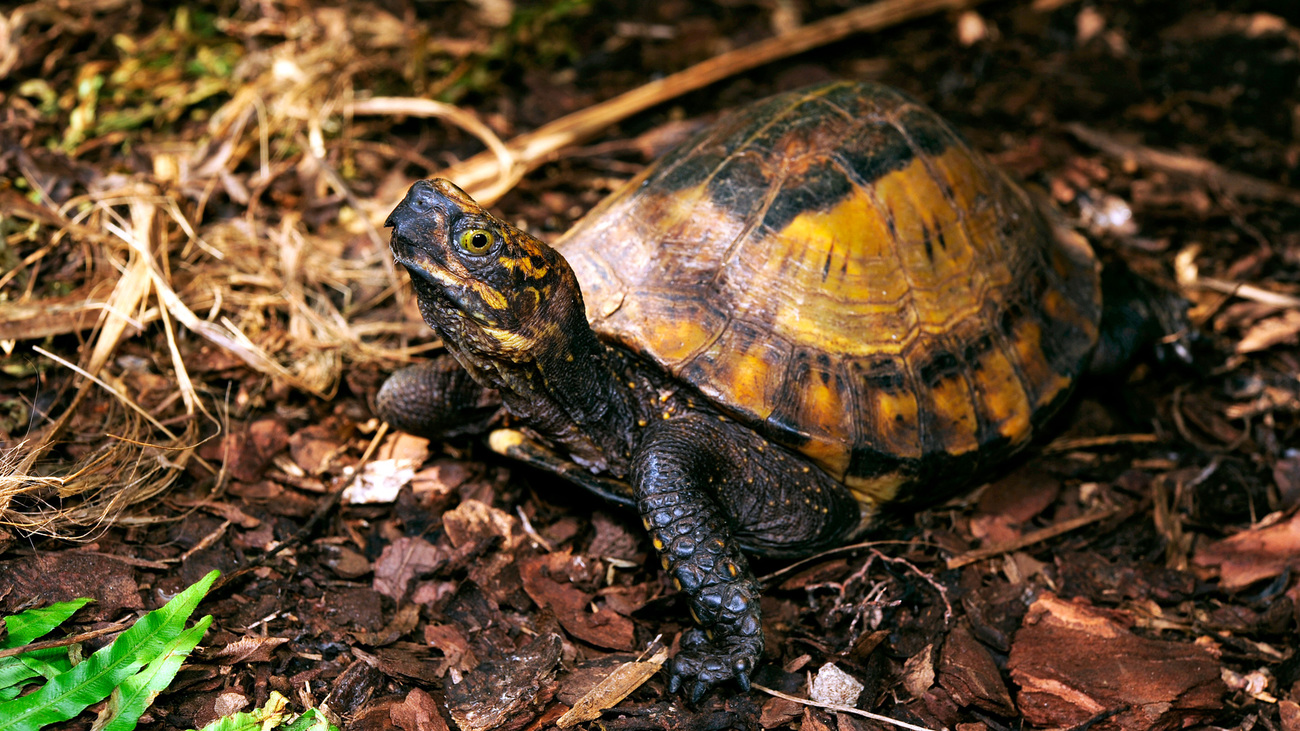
{"x": 508, "y": 308}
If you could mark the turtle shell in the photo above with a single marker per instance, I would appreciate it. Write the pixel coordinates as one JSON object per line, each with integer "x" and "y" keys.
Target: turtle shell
{"x": 837, "y": 268}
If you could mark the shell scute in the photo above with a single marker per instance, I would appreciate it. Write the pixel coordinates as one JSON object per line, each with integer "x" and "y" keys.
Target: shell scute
{"x": 838, "y": 269}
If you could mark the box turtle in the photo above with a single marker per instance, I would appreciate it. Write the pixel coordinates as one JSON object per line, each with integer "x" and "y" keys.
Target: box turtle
{"x": 824, "y": 303}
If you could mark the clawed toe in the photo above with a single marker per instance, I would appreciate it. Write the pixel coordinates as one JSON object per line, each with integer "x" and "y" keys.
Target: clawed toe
{"x": 701, "y": 665}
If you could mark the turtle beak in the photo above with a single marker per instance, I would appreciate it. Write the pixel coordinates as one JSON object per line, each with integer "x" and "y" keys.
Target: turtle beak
{"x": 411, "y": 217}
{"x": 421, "y": 226}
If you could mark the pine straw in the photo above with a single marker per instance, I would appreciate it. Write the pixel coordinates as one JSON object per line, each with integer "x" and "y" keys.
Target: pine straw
{"x": 278, "y": 294}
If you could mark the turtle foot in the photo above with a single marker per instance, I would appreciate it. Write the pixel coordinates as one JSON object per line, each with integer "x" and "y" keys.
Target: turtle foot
{"x": 703, "y": 663}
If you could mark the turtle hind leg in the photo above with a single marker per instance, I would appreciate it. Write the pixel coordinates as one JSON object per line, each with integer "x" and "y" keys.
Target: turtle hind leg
{"x": 436, "y": 399}
{"x": 1138, "y": 315}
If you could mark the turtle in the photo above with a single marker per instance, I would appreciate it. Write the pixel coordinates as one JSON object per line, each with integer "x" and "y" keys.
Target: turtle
{"x": 823, "y": 304}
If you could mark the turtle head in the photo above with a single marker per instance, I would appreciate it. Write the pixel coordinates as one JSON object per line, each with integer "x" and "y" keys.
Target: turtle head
{"x": 488, "y": 288}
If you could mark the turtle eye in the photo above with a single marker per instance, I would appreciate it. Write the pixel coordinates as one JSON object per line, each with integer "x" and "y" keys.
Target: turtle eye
{"x": 476, "y": 241}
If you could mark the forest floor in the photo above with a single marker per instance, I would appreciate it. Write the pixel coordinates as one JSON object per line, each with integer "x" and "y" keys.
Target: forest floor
{"x": 191, "y": 203}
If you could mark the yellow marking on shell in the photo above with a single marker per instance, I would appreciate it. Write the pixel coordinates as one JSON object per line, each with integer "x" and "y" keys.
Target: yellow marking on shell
{"x": 1071, "y": 252}
{"x": 894, "y": 420}
{"x": 953, "y": 415}
{"x": 645, "y": 522}
{"x": 747, "y": 369}
{"x": 829, "y": 454}
{"x": 1058, "y": 308}
{"x": 677, "y": 583}
{"x": 834, "y": 281}
{"x": 1026, "y": 341}
{"x": 695, "y": 616}
{"x": 947, "y": 278}
{"x": 663, "y": 561}
{"x": 658, "y": 544}
{"x": 675, "y": 339}
{"x": 1002, "y": 397}
{"x": 968, "y": 180}
{"x": 872, "y": 492}
{"x": 825, "y": 416}
{"x": 731, "y": 569}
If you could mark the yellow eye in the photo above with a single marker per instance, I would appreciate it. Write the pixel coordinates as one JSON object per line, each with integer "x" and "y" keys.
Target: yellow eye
{"x": 476, "y": 241}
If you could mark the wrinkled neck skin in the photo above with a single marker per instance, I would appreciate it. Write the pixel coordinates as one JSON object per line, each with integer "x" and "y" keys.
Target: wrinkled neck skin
{"x": 553, "y": 374}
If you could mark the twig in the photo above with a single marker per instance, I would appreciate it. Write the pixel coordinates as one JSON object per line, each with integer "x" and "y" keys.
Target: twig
{"x": 1028, "y": 539}
{"x": 64, "y": 641}
{"x": 508, "y": 171}
{"x": 1213, "y": 174}
{"x": 530, "y": 150}
{"x": 841, "y": 709}
{"x": 769, "y": 580}
{"x": 1250, "y": 292}
{"x": 1108, "y": 440}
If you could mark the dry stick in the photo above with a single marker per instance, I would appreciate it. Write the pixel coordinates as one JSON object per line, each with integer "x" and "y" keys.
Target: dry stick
{"x": 1029, "y": 539}
{"x": 842, "y": 709}
{"x": 1250, "y": 292}
{"x": 1228, "y": 181}
{"x": 1108, "y": 440}
{"x": 532, "y": 149}
{"x": 65, "y": 641}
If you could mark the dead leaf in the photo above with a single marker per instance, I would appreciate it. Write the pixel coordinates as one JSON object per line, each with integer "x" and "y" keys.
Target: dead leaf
{"x": 1253, "y": 555}
{"x": 1011, "y": 502}
{"x": 380, "y": 481}
{"x": 572, "y": 607}
{"x": 473, "y": 521}
{"x": 778, "y": 712}
{"x": 345, "y": 562}
{"x": 401, "y": 445}
{"x": 250, "y": 648}
{"x": 615, "y": 687}
{"x": 1073, "y": 662}
{"x": 1290, "y": 713}
{"x": 451, "y": 641}
{"x": 418, "y": 712}
{"x": 315, "y": 447}
{"x": 1266, "y": 333}
{"x": 969, "y": 674}
{"x": 403, "y": 560}
{"x": 249, "y": 450}
{"x": 918, "y": 672}
{"x": 1286, "y": 473}
{"x": 64, "y": 576}
{"x": 812, "y": 720}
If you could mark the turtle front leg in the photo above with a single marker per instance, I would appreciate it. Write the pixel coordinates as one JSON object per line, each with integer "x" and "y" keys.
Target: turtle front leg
{"x": 436, "y": 399}
{"x": 706, "y": 487}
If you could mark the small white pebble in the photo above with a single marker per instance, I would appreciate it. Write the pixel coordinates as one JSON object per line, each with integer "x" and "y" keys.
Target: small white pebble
{"x": 835, "y": 686}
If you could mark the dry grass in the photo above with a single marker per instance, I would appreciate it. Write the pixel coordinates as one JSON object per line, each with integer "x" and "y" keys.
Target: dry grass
{"x": 201, "y": 234}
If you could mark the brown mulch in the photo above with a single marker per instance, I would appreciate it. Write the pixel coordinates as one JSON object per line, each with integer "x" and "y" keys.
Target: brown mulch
{"x": 191, "y": 204}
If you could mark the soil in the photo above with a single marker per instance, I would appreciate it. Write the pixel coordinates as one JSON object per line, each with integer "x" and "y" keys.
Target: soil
{"x": 190, "y": 212}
